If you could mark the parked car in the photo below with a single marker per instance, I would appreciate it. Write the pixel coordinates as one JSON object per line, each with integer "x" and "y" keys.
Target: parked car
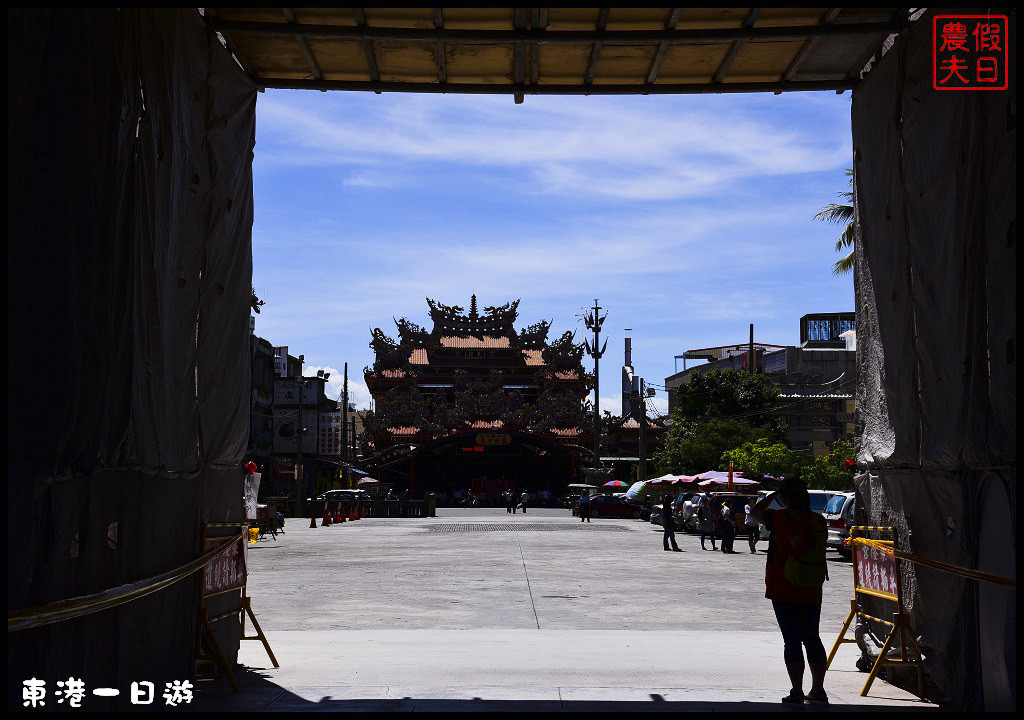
{"x": 657, "y": 517}
{"x": 681, "y": 511}
{"x": 819, "y": 501}
{"x": 612, "y": 506}
{"x": 839, "y": 514}
{"x": 820, "y": 498}
{"x": 736, "y": 502}
{"x": 343, "y": 495}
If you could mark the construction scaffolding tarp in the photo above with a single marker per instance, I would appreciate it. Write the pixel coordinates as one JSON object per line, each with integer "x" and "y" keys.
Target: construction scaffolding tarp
{"x": 129, "y": 284}
{"x": 936, "y": 324}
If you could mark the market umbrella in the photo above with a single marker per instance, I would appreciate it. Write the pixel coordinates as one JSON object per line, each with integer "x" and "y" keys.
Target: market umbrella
{"x": 367, "y": 481}
{"x": 665, "y": 480}
{"x": 581, "y": 486}
{"x": 615, "y": 483}
{"x": 723, "y": 481}
{"x": 637, "y": 491}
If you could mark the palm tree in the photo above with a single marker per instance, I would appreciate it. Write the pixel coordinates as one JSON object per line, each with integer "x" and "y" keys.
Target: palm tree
{"x": 842, "y": 213}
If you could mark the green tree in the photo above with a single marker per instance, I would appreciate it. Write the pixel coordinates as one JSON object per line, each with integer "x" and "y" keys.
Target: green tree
{"x": 765, "y": 457}
{"x": 731, "y": 394}
{"x": 718, "y": 411}
{"x": 692, "y": 447}
{"x": 830, "y": 472}
{"x": 842, "y": 213}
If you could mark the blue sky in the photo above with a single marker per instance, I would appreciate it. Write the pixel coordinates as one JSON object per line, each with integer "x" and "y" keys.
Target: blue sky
{"x": 688, "y": 216}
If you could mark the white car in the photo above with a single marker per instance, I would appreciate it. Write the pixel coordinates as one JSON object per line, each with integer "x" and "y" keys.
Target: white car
{"x": 819, "y": 501}
{"x": 839, "y": 517}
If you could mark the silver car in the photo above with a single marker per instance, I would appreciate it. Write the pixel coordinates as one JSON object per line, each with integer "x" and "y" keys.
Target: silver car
{"x": 839, "y": 517}
{"x": 819, "y": 501}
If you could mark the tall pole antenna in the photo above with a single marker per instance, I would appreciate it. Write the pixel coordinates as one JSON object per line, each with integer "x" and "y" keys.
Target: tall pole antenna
{"x": 594, "y": 320}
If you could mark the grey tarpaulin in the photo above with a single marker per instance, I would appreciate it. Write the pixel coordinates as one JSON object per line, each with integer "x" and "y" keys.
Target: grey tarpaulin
{"x": 130, "y": 137}
{"x": 936, "y": 334}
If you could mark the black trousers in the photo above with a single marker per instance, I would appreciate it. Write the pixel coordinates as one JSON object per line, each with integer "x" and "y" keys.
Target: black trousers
{"x": 670, "y": 533}
{"x": 799, "y": 625}
{"x": 727, "y": 535}
{"x": 584, "y": 513}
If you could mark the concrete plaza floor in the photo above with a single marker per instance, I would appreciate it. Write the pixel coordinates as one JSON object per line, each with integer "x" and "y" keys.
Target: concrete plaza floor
{"x": 481, "y": 610}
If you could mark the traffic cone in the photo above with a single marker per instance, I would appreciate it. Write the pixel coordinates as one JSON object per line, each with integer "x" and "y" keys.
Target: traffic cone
{"x": 352, "y": 512}
{"x": 339, "y": 516}
{"x": 327, "y": 517}
{"x": 363, "y": 509}
{"x": 312, "y": 518}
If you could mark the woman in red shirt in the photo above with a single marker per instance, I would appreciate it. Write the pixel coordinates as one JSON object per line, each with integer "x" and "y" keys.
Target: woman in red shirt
{"x": 797, "y": 607}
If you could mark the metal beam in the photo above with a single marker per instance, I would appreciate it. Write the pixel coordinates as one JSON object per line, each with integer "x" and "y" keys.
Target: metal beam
{"x": 602, "y": 22}
{"x": 652, "y": 73}
{"x": 371, "y": 60}
{"x": 734, "y": 50}
{"x": 901, "y": 15}
{"x": 620, "y": 89}
{"x": 626, "y": 37}
{"x": 210, "y": 16}
{"x": 805, "y": 51}
{"x": 519, "y": 60}
{"x": 442, "y": 67}
{"x": 539, "y": 23}
{"x": 310, "y": 60}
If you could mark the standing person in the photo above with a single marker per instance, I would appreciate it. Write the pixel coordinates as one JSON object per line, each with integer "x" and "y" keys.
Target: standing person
{"x": 753, "y": 529}
{"x": 509, "y": 501}
{"x": 523, "y": 499}
{"x": 669, "y": 524}
{"x": 707, "y": 523}
{"x": 727, "y": 529}
{"x": 585, "y": 506}
{"x": 793, "y": 577}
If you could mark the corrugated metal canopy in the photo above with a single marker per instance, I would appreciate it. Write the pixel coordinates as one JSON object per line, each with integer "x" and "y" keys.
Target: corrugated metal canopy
{"x": 568, "y": 51}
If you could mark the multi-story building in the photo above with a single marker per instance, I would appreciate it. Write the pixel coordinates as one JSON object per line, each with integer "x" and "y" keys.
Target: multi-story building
{"x": 817, "y": 379}
{"x": 286, "y": 365}
{"x": 301, "y": 409}
{"x": 261, "y": 425}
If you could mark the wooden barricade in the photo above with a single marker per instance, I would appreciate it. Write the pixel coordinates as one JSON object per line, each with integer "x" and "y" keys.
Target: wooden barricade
{"x": 876, "y": 573}
{"x": 225, "y": 573}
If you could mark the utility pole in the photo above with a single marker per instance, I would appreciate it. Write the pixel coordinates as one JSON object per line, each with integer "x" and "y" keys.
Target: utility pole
{"x": 642, "y": 465}
{"x": 594, "y": 321}
{"x": 344, "y": 430}
{"x": 298, "y": 454}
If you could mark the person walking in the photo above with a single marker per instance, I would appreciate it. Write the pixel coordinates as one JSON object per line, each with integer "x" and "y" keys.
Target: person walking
{"x": 523, "y": 499}
{"x": 727, "y": 529}
{"x": 707, "y": 523}
{"x": 669, "y": 524}
{"x": 794, "y": 573}
{"x": 585, "y": 506}
{"x": 753, "y": 530}
{"x": 510, "y": 502}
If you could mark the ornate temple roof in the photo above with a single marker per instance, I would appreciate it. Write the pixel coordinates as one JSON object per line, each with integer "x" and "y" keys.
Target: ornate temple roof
{"x": 450, "y": 320}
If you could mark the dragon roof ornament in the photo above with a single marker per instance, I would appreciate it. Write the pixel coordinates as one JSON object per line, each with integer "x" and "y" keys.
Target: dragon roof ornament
{"x": 451, "y": 320}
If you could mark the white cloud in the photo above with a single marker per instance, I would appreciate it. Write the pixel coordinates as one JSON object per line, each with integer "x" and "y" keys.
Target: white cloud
{"x": 357, "y": 390}
{"x": 606, "y": 148}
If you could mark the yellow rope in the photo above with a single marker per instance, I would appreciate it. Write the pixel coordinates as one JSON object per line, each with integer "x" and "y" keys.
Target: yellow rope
{"x": 935, "y": 564}
{"x": 61, "y": 610}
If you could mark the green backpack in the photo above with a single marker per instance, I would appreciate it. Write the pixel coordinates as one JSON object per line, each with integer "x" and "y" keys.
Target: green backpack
{"x": 805, "y": 560}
